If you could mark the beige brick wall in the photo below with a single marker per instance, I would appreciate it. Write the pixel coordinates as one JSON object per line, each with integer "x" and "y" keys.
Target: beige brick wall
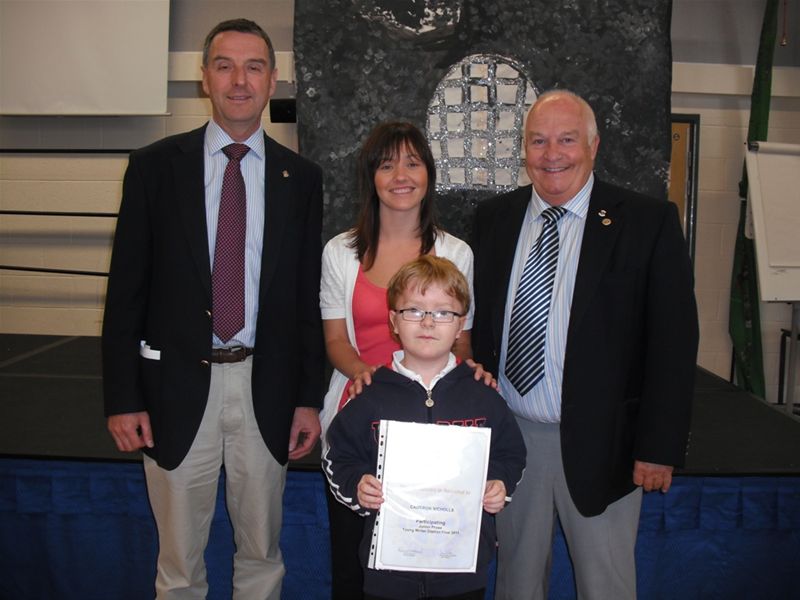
{"x": 51, "y": 303}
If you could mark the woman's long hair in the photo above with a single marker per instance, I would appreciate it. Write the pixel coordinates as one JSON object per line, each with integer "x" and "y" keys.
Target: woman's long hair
{"x": 385, "y": 142}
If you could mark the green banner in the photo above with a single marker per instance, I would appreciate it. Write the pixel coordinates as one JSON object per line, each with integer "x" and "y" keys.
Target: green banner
{"x": 744, "y": 322}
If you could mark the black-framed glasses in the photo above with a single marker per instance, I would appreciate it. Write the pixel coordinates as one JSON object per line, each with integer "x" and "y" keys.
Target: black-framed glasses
{"x": 415, "y": 315}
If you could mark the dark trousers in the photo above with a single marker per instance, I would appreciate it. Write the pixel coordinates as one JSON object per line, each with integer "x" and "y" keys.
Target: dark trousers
{"x": 346, "y": 530}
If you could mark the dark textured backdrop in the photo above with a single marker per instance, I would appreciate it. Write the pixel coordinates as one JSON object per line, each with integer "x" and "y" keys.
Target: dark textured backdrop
{"x": 359, "y": 63}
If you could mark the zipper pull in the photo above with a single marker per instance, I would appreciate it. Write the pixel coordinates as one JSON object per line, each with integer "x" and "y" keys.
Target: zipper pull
{"x": 429, "y": 401}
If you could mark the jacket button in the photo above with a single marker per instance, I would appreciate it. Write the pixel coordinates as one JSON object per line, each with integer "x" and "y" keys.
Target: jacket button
{"x": 205, "y": 363}
{"x": 208, "y": 314}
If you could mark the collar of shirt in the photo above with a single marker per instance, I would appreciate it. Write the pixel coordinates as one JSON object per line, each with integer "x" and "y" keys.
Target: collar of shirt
{"x": 578, "y": 205}
{"x": 217, "y": 139}
{"x": 397, "y": 365}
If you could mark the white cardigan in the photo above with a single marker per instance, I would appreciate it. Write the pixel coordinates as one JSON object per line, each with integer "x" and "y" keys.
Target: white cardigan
{"x": 339, "y": 272}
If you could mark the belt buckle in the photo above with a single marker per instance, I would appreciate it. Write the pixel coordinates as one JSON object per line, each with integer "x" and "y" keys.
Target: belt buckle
{"x": 230, "y": 355}
{"x": 236, "y": 353}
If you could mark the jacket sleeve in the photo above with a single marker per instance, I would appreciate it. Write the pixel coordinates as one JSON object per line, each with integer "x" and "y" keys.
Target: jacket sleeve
{"x": 671, "y": 349}
{"x": 311, "y": 355}
{"x": 127, "y": 297}
{"x": 507, "y": 456}
{"x": 346, "y": 456}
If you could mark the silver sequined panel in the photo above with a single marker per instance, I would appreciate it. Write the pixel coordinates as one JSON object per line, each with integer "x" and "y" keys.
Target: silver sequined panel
{"x": 475, "y": 124}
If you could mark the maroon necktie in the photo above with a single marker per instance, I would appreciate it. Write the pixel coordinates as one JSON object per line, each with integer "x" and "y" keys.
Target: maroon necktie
{"x": 227, "y": 276}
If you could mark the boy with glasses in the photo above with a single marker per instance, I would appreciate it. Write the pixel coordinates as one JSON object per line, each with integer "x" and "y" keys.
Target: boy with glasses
{"x": 428, "y": 299}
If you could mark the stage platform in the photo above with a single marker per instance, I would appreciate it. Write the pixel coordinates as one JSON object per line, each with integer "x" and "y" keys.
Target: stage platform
{"x": 75, "y": 522}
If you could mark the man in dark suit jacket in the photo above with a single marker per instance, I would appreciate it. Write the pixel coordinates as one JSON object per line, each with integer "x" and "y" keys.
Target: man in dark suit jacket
{"x": 610, "y": 415}
{"x": 192, "y": 398}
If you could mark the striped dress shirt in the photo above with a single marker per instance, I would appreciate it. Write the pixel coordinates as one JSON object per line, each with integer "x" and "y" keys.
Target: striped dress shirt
{"x": 543, "y": 402}
{"x": 253, "y": 169}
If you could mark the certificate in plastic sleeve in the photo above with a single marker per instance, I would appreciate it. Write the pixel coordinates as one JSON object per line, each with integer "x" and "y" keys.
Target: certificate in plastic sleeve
{"x": 433, "y": 479}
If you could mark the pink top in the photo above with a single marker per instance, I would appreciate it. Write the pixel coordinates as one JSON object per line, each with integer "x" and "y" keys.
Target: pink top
{"x": 374, "y": 338}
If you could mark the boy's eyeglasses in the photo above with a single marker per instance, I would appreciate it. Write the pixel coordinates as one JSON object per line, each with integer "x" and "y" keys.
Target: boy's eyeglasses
{"x": 415, "y": 315}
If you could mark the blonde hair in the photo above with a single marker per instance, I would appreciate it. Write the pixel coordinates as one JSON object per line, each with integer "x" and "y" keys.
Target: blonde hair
{"x": 426, "y": 271}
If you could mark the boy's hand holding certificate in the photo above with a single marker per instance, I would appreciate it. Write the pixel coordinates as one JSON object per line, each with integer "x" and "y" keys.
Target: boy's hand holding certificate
{"x": 433, "y": 479}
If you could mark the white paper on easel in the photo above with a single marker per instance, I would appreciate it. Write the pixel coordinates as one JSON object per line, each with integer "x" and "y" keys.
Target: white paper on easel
{"x": 773, "y": 172}
{"x": 433, "y": 479}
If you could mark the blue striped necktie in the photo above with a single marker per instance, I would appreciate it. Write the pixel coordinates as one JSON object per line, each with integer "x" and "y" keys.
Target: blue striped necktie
{"x": 528, "y": 326}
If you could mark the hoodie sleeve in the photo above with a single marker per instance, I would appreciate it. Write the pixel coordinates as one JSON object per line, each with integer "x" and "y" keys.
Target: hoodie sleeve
{"x": 507, "y": 456}
{"x": 348, "y": 455}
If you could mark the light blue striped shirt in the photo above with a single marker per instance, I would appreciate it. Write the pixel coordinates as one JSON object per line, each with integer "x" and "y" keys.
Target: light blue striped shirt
{"x": 253, "y": 169}
{"x": 543, "y": 402}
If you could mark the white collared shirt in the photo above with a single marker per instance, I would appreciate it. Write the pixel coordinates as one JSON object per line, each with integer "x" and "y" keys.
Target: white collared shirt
{"x": 397, "y": 365}
{"x": 253, "y": 172}
{"x": 543, "y": 402}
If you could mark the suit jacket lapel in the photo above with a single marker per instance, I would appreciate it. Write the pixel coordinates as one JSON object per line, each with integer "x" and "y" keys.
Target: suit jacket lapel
{"x": 604, "y": 220}
{"x": 277, "y": 197}
{"x": 504, "y": 239}
{"x": 187, "y": 167}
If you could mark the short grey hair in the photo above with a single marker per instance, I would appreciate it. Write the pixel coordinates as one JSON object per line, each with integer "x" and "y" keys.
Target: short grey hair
{"x": 591, "y": 121}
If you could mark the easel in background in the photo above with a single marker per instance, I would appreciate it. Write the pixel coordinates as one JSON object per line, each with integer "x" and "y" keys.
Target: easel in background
{"x": 773, "y": 171}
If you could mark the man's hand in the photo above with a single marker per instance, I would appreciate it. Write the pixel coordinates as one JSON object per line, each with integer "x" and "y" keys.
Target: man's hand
{"x": 360, "y": 380}
{"x": 369, "y": 492}
{"x": 131, "y": 431}
{"x": 481, "y": 374}
{"x": 304, "y": 433}
{"x": 651, "y": 476}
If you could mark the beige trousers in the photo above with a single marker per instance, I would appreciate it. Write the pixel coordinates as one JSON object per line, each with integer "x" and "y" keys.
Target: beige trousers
{"x": 183, "y": 499}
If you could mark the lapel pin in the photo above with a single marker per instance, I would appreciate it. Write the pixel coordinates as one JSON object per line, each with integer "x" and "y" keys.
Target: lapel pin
{"x": 602, "y": 213}
{"x": 286, "y": 174}
{"x": 606, "y": 222}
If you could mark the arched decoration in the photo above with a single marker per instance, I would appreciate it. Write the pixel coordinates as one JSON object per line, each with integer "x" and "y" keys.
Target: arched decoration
{"x": 425, "y": 20}
{"x": 475, "y": 123}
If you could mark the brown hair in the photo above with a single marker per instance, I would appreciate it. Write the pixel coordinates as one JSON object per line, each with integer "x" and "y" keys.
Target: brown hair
{"x": 384, "y": 142}
{"x": 426, "y": 271}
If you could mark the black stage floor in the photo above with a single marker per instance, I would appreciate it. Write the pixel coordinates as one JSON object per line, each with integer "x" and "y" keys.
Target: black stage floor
{"x": 51, "y": 407}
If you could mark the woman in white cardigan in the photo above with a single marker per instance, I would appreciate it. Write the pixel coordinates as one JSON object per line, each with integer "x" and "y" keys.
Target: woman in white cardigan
{"x": 396, "y": 224}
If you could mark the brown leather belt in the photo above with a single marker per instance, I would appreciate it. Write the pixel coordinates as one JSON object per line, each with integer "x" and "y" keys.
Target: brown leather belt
{"x": 230, "y": 355}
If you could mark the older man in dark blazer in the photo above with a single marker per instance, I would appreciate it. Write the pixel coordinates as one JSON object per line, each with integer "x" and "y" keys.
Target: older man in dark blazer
{"x": 603, "y": 399}
{"x": 212, "y": 339}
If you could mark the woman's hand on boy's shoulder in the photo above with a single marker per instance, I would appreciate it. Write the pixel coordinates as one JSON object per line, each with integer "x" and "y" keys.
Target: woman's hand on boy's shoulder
{"x": 370, "y": 492}
{"x": 360, "y": 380}
{"x": 481, "y": 374}
{"x": 494, "y": 498}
